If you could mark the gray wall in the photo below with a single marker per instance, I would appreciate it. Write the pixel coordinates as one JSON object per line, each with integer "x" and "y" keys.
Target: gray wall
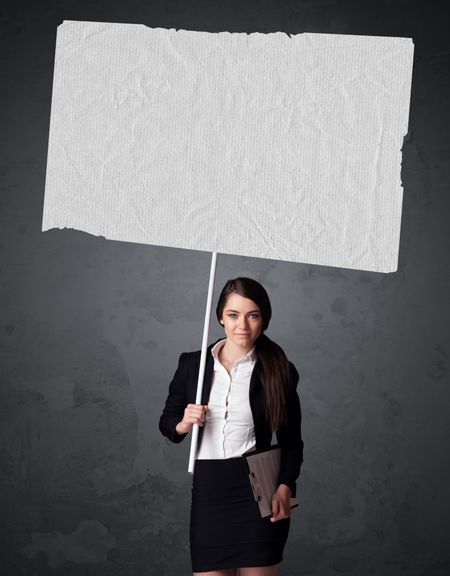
{"x": 91, "y": 331}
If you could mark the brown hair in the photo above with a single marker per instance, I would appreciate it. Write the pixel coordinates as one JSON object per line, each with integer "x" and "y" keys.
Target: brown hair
{"x": 274, "y": 363}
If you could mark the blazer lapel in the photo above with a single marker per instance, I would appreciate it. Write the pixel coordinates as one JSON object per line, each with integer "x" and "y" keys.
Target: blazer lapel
{"x": 207, "y": 380}
{"x": 208, "y": 376}
{"x": 255, "y": 377}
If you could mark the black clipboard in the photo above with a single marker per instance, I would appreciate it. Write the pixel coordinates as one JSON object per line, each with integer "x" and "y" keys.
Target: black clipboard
{"x": 263, "y": 467}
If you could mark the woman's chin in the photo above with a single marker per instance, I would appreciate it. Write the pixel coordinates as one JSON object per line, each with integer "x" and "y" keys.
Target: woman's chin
{"x": 243, "y": 341}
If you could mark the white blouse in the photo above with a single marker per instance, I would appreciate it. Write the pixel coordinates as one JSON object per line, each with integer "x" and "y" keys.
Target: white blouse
{"x": 228, "y": 430}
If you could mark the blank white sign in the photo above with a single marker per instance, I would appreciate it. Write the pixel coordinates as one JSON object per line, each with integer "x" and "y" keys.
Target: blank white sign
{"x": 265, "y": 145}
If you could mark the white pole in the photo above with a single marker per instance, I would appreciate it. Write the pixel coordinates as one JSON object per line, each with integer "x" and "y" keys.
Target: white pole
{"x": 201, "y": 373}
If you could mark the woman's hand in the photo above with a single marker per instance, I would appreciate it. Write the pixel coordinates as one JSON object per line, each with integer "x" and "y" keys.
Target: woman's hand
{"x": 193, "y": 414}
{"x": 281, "y": 506}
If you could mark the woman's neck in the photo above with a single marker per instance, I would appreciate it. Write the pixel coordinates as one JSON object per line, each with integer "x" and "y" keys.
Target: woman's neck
{"x": 230, "y": 353}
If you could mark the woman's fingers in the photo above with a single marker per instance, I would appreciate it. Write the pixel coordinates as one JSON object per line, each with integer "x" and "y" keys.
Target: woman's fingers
{"x": 275, "y": 509}
{"x": 195, "y": 413}
{"x": 279, "y": 509}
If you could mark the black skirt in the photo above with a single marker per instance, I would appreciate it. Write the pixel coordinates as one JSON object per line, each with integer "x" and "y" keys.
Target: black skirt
{"x": 226, "y": 530}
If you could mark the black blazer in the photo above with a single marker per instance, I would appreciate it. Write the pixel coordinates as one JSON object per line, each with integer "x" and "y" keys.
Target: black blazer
{"x": 182, "y": 391}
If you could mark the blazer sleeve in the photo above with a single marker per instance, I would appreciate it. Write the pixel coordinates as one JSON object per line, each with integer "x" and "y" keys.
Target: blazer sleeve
{"x": 290, "y": 436}
{"x": 176, "y": 402}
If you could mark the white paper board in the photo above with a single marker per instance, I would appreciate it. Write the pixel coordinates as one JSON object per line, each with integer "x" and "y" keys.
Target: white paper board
{"x": 256, "y": 144}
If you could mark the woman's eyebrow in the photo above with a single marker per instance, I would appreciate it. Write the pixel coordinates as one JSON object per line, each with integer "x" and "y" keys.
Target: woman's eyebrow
{"x": 237, "y": 312}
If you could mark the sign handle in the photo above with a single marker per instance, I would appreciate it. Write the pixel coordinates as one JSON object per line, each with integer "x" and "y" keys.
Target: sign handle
{"x": 201, "y": 372}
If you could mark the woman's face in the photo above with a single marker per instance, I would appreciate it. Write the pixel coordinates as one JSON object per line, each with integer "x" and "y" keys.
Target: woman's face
{"x": 242, "y": 321}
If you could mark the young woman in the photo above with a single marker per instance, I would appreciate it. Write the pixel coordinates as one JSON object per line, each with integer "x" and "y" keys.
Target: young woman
{"x": 249, "y": 392}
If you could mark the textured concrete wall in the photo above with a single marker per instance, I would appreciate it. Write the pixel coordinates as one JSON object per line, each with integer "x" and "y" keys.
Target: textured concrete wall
{"x": 91, "y": 331}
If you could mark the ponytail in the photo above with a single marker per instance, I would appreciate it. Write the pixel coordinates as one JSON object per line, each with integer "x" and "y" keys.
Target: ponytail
{"x": 274, "y": 378}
